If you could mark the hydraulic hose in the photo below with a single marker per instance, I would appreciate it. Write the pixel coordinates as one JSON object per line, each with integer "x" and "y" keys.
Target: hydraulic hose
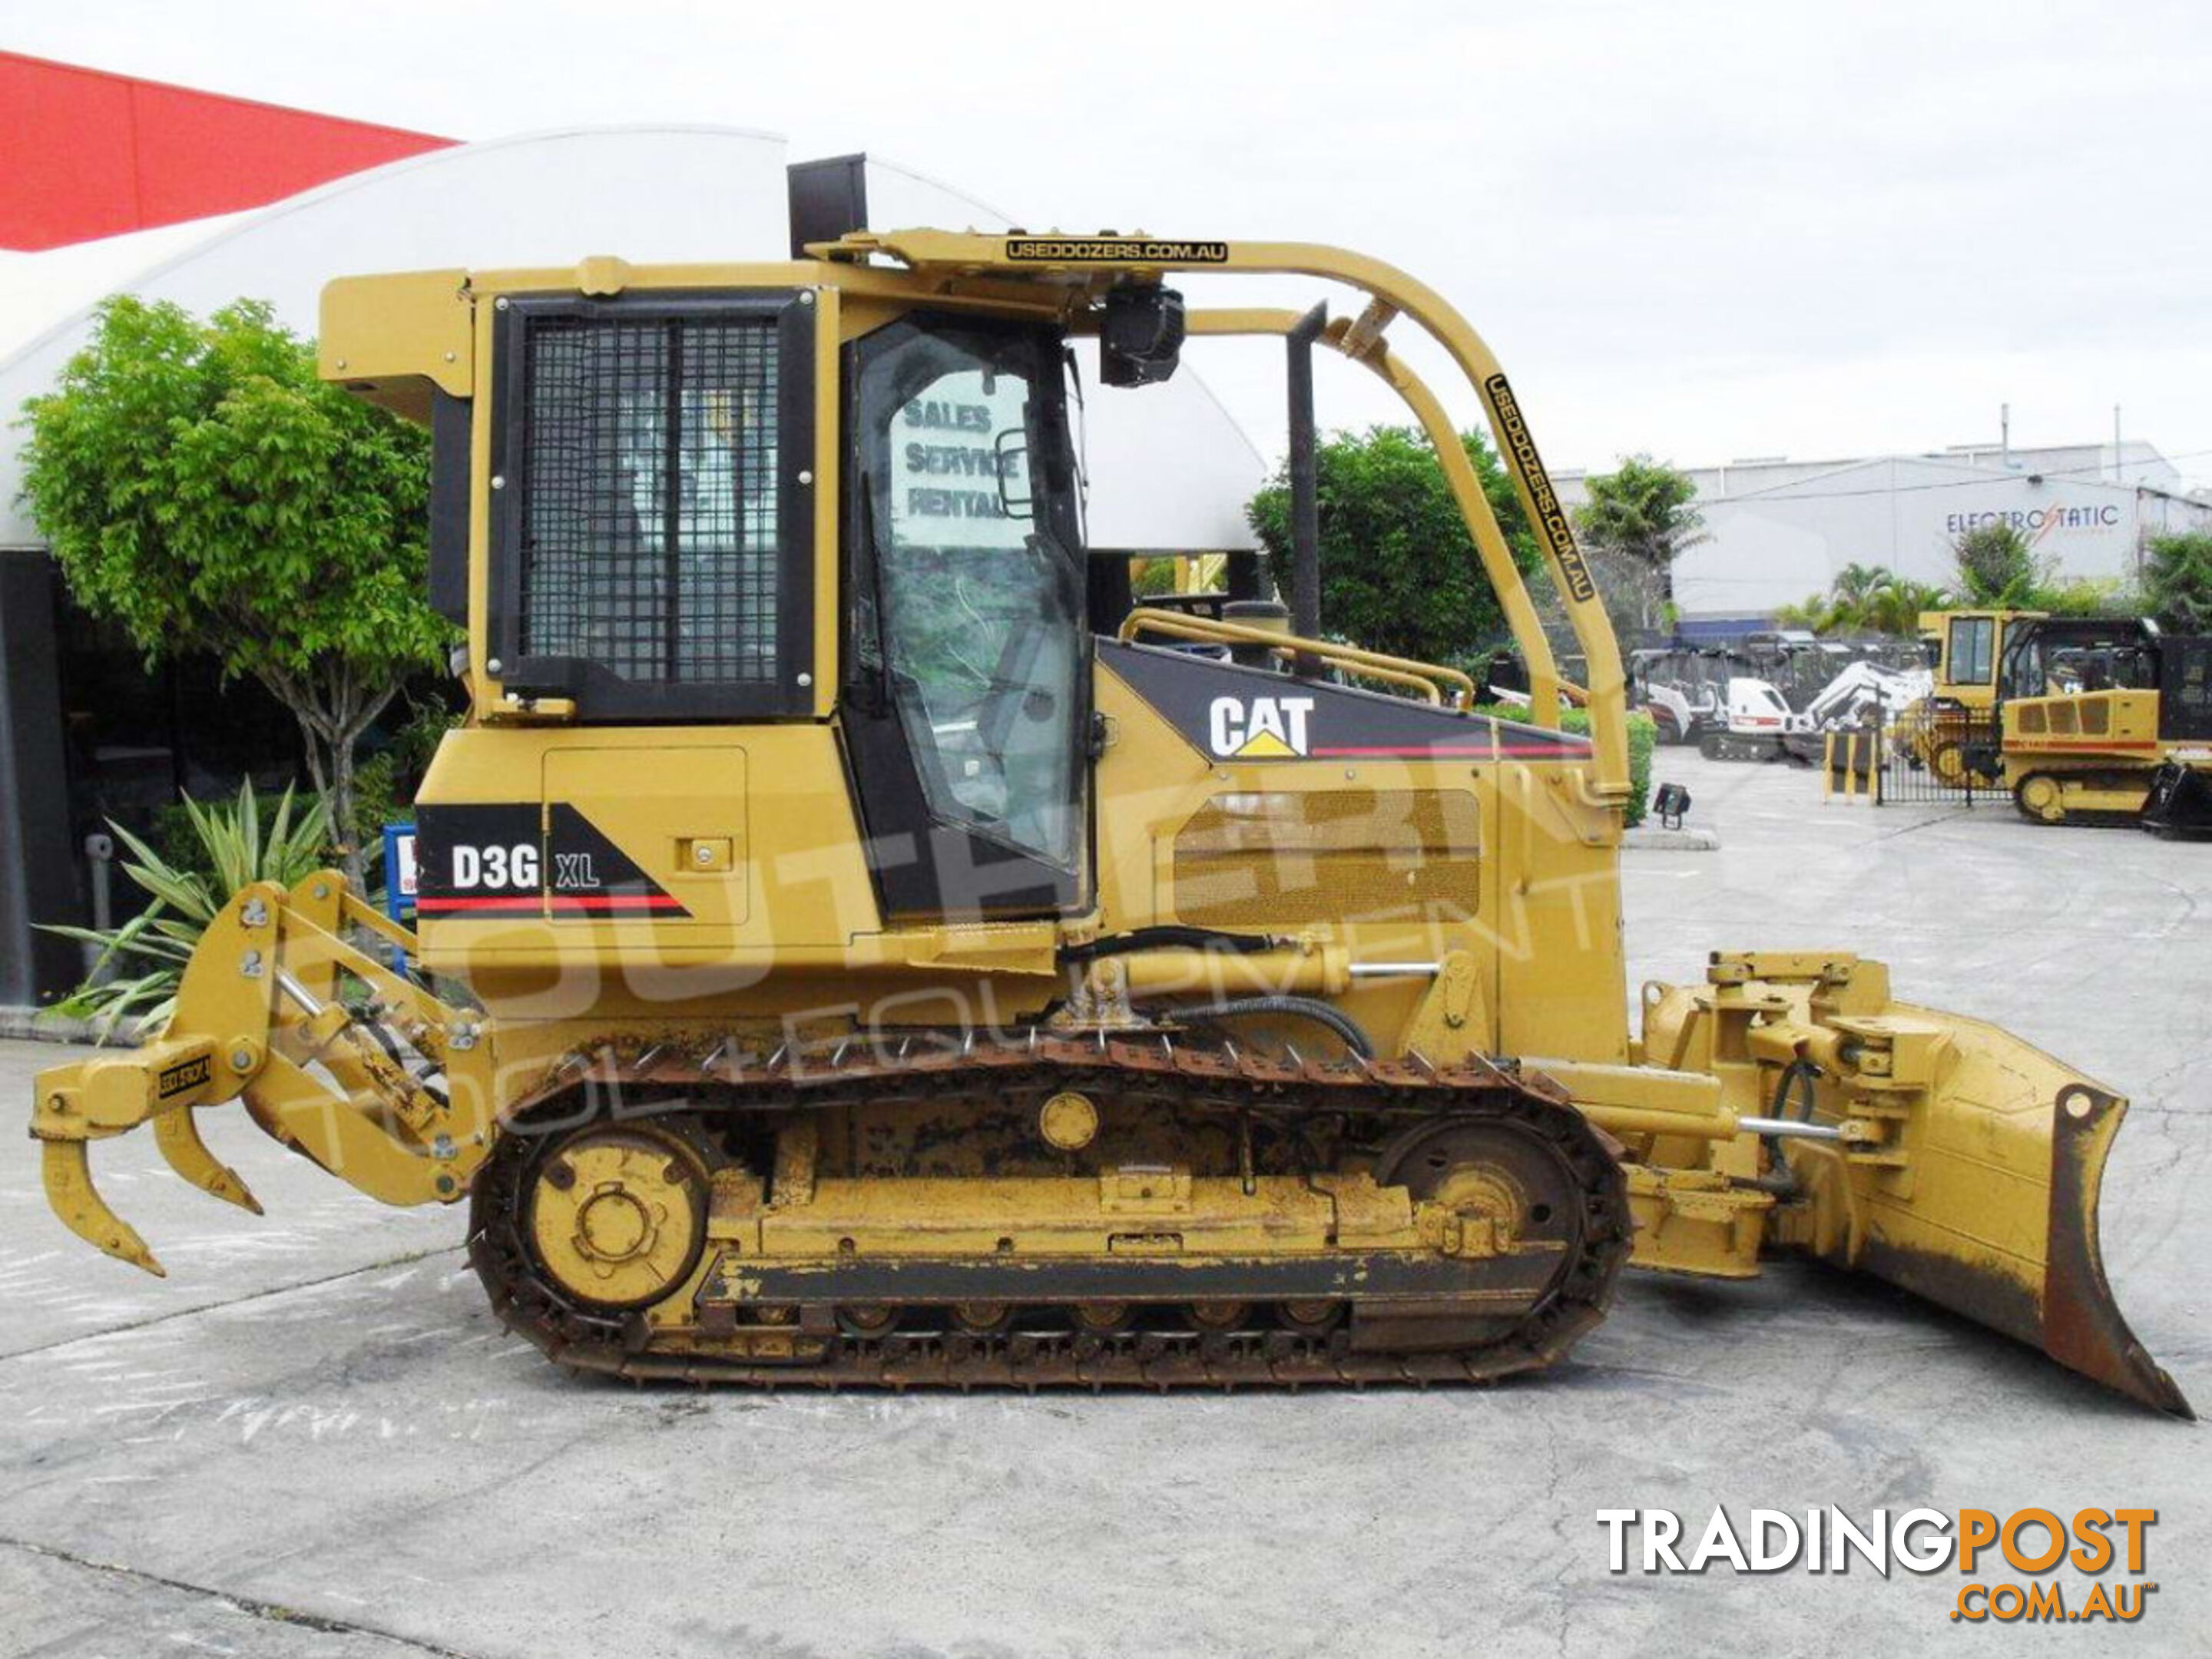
{"x": 1154, "y": 938}
{"x": 1783, "y": 1182}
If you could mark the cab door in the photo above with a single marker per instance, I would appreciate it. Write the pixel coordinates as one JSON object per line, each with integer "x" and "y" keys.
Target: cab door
{"x": 966, "y": 704}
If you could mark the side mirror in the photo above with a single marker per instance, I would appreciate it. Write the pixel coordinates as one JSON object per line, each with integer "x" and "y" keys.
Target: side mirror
{"x": 1141, "y": 335}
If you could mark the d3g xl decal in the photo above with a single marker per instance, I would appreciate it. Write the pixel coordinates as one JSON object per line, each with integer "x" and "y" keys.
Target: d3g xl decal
{"x": 518, "y": 858}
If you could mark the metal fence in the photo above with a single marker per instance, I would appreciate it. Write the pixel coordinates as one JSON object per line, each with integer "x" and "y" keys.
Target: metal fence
{"x": 1929, "y": 754}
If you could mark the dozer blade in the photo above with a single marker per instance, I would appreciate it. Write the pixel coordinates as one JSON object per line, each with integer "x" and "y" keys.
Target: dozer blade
{"x": 2180, "y": 802}
{"x": 68, "y": 1169}
{"x": 178, "y": 1137}
{"x": 1992, "y": 1212}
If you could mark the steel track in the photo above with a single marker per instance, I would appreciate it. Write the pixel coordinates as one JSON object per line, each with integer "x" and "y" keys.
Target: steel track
{"x": 1205, "y": 1082}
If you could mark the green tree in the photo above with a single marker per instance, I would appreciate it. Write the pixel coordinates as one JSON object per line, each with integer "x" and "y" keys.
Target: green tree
{"x": 199, "y": 484}
{"x": 1399, "y": 572}
{"x": 1151, "y": 578}
{"x": 1895, "y": 606}
{"x": 1637, "y": 521}
{"x": 2178, "y": 581}
{"x": 1856, "y": 586}
{"x": 1866, "y": 599}
{"x": 1997, "y": 567}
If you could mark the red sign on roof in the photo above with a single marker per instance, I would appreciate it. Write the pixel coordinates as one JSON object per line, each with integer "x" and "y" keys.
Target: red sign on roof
{"x": 85, "y": 154}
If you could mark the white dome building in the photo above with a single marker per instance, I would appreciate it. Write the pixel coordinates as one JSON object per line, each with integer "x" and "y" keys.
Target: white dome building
{"x": 1174, "y": 470}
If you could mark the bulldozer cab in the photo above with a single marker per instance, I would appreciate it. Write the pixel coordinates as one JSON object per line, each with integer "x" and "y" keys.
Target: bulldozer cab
{"x": 2185, "y": 689}
{"x": 2069, "y": 656}
{"x": 781, "y": 635}
{"x": 655, "y": 560}
{"x": 1969, "y": 648}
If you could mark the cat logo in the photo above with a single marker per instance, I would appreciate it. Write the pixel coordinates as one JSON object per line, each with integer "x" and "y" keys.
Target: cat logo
{"x": 1259, "y": 728}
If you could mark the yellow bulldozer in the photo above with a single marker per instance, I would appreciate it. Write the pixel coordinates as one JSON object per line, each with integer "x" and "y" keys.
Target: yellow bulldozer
{"x": 2105, "y": 720}
{"x": 853, "y": 951}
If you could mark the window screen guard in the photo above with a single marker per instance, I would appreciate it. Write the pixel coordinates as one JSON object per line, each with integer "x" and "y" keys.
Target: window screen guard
{"x": 653, "y": 537}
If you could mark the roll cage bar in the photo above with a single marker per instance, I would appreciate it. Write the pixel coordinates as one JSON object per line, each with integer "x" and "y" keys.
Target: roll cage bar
{"x": 1012, "y": 266}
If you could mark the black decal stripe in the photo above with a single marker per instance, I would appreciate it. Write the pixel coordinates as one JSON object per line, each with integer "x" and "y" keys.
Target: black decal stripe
{"x": 587, "y": 875}
{"x": 1446, "y": 751}
{"x": 1343, "y": 723}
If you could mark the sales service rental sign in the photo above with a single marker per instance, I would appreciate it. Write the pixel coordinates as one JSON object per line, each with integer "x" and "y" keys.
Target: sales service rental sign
{"x": 960, "y": 463}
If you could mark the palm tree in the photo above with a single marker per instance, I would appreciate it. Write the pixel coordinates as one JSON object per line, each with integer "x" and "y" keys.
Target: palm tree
{"x": 1855, "y": 585}
{"x": 1865, "y": 597}
{"x": 1641, "y": 517}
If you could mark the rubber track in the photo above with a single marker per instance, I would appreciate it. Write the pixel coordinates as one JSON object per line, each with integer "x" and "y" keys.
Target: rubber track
{"x": 1204, "y": 1080}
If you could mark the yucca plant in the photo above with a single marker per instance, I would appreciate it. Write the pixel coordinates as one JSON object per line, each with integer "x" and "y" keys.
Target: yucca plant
{"x": 140, "y": 963}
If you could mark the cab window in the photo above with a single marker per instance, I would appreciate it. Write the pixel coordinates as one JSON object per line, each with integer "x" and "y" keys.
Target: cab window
{"x": 1972, "y": 640}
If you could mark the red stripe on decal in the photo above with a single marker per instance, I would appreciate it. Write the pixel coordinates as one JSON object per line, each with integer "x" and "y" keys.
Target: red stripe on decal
{"x": 1479, "y": 751}
{"x": 2080, "y": 743}
{"x": 529, "y": 906}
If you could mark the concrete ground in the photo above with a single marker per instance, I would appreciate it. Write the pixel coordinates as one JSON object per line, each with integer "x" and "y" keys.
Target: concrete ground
{"x": 314, "y": 1439}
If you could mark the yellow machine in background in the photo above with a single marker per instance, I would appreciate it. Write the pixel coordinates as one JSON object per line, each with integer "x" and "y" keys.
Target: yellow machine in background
{"x": 2095, "y": 713}
{"x": 853, "y": 951}
{"x": 1951, "y": 731}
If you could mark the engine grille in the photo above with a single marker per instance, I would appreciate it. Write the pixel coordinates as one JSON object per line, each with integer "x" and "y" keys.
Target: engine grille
{"x": 1282, "y": 859}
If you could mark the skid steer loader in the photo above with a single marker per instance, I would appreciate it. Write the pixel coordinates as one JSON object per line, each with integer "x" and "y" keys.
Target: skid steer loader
{"x": 838, "y": 964}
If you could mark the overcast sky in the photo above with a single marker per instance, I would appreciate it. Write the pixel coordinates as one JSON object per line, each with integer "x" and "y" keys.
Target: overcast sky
{"x": 1701, "y": 230}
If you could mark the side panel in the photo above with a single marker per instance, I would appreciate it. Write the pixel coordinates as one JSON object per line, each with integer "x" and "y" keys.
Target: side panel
{"x": 658, "y": 834}
{"x": 1562, "y": 975}
{"x": 1236, "y": 798}
{"x": 653, "y": 847}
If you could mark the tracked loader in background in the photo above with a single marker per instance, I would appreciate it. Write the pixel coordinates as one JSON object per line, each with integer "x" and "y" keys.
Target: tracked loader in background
{"x": 837, "y": 963}
{"x": 2105, "y": 720}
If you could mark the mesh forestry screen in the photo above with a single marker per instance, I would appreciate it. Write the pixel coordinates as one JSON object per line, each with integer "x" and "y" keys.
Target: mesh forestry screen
{"x": 649, "y": 511}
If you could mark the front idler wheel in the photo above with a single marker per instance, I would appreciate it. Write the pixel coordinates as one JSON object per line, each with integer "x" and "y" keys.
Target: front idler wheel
{"x": 615, "y": 1218}
{"x": 1499, "y": 1172}
{"x": 2041, "y": 798}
